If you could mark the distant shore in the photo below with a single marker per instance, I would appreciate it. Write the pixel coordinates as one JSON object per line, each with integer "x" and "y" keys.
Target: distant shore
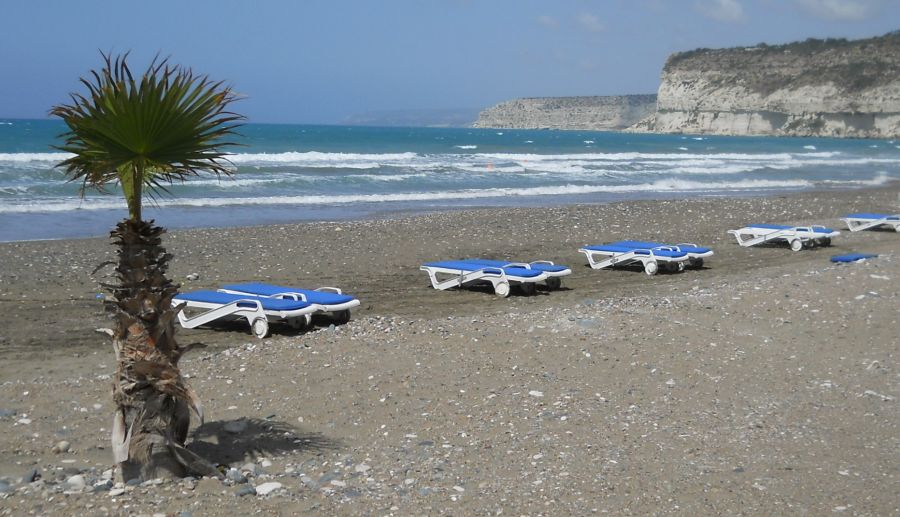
{"x": 763, "y": 383}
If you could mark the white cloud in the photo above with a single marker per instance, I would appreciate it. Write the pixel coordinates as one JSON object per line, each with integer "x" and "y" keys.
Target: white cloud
{"x": 590, "y": 22}
{"x": 722, "y": 10}
{"x": 548, "y": 21}
{"x": 842, "y": 10}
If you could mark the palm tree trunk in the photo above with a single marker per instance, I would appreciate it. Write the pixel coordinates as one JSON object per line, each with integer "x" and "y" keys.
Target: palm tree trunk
{"x": 152, "y": 399}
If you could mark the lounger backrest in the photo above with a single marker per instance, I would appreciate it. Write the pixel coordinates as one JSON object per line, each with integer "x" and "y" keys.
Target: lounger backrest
{"x": 261, "y": 289}
{"x": 216, "y": 297}
{"x": 770, "y": 226}
{"x": 613, "y": 248}
{"x": 469, "y": 266}
{"x": 652, "y": 245}
{"x": 554, "y": 268}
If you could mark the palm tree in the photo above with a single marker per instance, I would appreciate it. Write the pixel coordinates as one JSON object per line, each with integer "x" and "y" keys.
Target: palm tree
{"x": 145, "y": 134}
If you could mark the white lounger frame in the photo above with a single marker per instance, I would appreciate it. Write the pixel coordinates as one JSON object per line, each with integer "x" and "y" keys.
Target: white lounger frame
{"x": 340, "y": 312}
{"x": 856, "y": 224}
{"x": 599, "y": 259}
{"x": 249, "y": 309}
{"x": 447, "y": 278}
{"x": 797, "y": 237}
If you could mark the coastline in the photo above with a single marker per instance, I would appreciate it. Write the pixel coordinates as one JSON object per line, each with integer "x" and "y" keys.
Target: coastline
{"x": 770, "y": 355}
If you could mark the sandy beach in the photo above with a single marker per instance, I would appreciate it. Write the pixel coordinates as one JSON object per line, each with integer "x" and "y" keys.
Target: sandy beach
{"x": 763, "y": 383}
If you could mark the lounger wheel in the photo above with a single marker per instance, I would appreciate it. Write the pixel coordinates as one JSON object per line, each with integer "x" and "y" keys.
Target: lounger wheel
{"x": 502, "y": 289}
{"x": 651, "y": 268}
{"x": 825, "y": 241}
{"x": 796, "y": 245}
{"x": 696, "y": 263}
{"x": 554, "y": 283}
{"x": 300, "y": 322}
{"x": 528, "y": 288}
{"x": 341, "y": 317}
{"x": 260, "y": 328}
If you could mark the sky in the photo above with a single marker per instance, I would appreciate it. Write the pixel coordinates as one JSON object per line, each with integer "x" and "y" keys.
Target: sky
{"x": 321, "y": 61}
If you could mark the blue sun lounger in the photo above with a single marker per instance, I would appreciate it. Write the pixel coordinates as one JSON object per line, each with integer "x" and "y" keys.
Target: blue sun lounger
{"x": 609, "y": 255}
{"x": 457, "y": 273}
{"x": 257, "y": 310}
{"x": 857, "y": 222}
{"x": 797, "y": 237}
{"x": 554, "y": 272}
{"x": 695, "y": 253}
{"x": 329, "y": 299}
{"x": 852, "y": 257}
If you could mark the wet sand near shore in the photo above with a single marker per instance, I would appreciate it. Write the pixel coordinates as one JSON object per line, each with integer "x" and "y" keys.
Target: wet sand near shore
{"x": 763, "y": 383}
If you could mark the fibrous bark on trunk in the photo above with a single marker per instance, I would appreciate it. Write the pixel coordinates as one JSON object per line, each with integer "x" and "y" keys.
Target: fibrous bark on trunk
{"x": 152, "y": 399}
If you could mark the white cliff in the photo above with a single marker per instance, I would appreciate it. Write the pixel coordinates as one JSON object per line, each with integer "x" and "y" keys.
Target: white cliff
{"x": 589, "y": 113}
{"x": 833, "y": 88}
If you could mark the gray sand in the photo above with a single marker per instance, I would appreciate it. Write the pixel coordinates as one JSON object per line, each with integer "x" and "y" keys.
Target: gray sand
{"x": 764, "y": 383}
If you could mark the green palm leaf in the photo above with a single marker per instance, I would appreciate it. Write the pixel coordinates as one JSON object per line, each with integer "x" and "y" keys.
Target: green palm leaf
{"x": 147, "y": 133}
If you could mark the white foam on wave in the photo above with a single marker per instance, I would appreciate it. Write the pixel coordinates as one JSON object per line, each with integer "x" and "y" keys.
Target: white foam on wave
{"x": 881, "y": 178}
{"x": 667, "y": 185}
{"x": 388, "y": 177}
{"x": 34, "y": 157}
{"x": 466, "y": 146}
{"x": 316, "y": 159}
{"x": 811, "y": 147}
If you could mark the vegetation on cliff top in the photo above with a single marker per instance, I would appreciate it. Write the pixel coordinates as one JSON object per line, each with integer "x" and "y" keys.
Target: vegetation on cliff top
{"x": 851, "y": 65}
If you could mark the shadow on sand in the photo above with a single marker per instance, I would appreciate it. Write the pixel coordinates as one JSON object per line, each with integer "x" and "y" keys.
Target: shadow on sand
{"x": 230, "y": 441}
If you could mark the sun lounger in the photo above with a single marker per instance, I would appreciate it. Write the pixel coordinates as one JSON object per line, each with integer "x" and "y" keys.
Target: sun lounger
{"x": 330, "y": 299}
{"x": 257, "y": 310}
{"x": 857, "y": 222}
{"x": 613, "y": 254}
{"x": 457, "y": 273}
{"x": 852, "y": 257}
{"x": 796, "y": 236}
{"x": 554, "y": 272}
{"x": 695, "y": 253}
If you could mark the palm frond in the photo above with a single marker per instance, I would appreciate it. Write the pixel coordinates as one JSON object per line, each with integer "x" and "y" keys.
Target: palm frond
{"x": 167, "y": 126}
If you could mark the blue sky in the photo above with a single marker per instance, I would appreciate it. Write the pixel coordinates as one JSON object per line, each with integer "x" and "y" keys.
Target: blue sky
{"x": 319, "y": 61}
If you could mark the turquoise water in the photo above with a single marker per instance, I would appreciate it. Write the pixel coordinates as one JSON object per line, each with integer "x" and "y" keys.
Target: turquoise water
{"x": 289, "y": 173}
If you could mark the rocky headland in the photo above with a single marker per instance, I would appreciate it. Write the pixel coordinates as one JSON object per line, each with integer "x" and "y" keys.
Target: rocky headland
{"x": 827, "y": 88}
{"x": 591, "y": 113}
{"x": 831, "y": 88}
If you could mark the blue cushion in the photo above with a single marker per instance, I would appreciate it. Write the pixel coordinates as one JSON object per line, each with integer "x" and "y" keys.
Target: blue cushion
{"x": 317, "y": 297}
{"x": 469, "y": 266}
{"x": 852, "y": 257}
{"x": 783, "y": 227}
{"x": 770, "y": 226}
{"x": 269, "y": 304}
{"x": 614, "y": 248}
{"x": 551, "y": 268}
{"x": 874, "y": 216}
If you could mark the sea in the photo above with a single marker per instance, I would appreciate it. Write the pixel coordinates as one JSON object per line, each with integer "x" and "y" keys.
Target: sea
{"x": 288, "y": 173}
